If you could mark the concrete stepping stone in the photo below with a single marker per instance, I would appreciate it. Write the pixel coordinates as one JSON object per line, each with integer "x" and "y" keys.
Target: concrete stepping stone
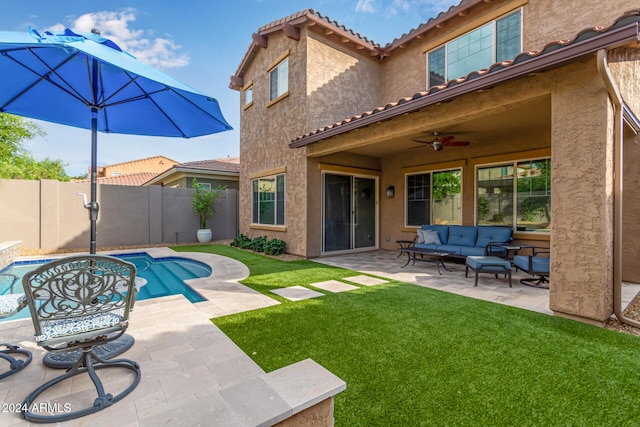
{"x": 334, "y": 286}
{"x": 297, "y": 293}
{"x": 365, "y": 280}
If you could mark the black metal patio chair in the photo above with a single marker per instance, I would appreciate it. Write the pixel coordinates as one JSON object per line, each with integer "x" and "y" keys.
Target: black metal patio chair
{"x": 81, "y": 302}
{"x": 10, "y": 304}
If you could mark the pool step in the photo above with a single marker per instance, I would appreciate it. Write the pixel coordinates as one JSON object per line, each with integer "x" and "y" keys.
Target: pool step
{"x": 154, "y": 275}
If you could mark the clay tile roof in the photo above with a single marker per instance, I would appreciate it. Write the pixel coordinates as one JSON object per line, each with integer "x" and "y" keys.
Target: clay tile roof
{"x": 562, "y": 48}
{"x": 299, "y": 18}
{"x": 222, "y": 165}
{"x": 134, "y": 179}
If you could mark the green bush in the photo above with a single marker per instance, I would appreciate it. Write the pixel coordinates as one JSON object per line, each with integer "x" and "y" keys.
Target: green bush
{"x": 241, "y": 241}
{"x": 258, "y": 243}
{"x": 275, "y": 247}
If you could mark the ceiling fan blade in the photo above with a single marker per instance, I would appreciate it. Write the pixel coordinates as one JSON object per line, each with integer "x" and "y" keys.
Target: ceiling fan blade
{"x": 447, "y": 139}
{"x": 456, "y": 143}
{"x": 421, "y": 142}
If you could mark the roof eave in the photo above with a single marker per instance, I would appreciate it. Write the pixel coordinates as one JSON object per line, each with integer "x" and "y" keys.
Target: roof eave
{"x": 545, "y": 61}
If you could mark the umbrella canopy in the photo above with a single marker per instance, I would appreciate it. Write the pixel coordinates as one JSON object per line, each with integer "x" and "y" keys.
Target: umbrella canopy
{"x": 85, "y": 80}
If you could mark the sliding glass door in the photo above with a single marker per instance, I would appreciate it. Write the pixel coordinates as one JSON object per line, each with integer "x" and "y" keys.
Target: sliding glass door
{"x": 349, "y": 212}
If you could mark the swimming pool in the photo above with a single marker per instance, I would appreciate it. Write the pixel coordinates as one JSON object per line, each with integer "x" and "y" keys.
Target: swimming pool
{"x": 165, "y": 276}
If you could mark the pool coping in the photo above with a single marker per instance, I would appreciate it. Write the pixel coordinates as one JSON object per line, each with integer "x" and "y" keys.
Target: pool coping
{"x": 222, "y": 289}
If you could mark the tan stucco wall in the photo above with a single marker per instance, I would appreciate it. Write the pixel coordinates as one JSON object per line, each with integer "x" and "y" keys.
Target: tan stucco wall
{"x": 265, "y": 133}
{"x": 340, "y": 83}
{"x": 582, "y": 196}
{"x": 550, "y": 20}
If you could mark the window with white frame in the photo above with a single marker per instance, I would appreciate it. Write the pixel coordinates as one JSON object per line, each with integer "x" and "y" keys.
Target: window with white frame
{"x": 267, "y": 201}
{"x": 516, "y": 194}
{"x": 433, "y": 197}
{"x": 248, "y": 96}
{"x": 279, "y": 80}
{"x": 493, "y": 42}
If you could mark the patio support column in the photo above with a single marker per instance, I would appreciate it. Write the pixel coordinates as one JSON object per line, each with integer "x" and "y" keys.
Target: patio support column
{"x": 582, "y": 199}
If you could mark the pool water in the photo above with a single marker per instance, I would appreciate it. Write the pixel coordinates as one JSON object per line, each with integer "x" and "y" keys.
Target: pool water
{"x": 165, "y": 276}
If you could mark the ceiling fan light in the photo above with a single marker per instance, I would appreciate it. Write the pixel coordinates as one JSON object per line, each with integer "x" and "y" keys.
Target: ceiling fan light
{"x": 437, "y": 145}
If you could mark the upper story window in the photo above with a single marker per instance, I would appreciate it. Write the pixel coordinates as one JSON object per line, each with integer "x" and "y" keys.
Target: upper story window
{"x": 248, "y": 95}
{"x": 279, "y": 79}
{"x": 516, "y": 194}
{"x": 478, "y": 49}
{"x": 433, "y": 197}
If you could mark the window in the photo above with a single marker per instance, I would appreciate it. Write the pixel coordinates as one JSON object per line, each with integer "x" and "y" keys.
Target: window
{"x": 248, "y": 96}
{"x": 433, "y": 197}
{"x": 268, "y": 200}
{"x": 516, "y": 194}
{"x": 205, "y": 186}
{"x": 279, "y": 80}
{"x": 496, "y": 41}
{"x": 116, "y": 173}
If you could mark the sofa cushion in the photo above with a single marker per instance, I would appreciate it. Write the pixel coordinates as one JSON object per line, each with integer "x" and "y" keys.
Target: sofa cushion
{"x": 489, "y": 234}
{"x": 420, "y": 233}
{"x": 462, "y": 235}
{"x": 471, "y": 251}
{"x": 443, "y": 232}
{"x": 431, "y": 237}
{"x": 425, "y": 246}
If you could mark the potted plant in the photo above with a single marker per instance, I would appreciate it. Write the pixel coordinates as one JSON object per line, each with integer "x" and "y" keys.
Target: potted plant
{"x": 202, "y": 203}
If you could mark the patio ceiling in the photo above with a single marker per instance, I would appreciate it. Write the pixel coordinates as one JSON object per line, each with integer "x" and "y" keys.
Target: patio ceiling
{"x": 525, "y": 117}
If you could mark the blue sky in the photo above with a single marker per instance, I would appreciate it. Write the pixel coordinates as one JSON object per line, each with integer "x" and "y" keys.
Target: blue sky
{"x": 200, "y": 42}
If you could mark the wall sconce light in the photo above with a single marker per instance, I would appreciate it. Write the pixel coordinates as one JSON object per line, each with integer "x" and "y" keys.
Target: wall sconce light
{"x": 390, "y": 191}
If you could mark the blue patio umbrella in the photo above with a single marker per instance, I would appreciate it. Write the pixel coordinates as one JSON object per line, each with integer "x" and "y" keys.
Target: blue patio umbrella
{"x": 85, "y": 80}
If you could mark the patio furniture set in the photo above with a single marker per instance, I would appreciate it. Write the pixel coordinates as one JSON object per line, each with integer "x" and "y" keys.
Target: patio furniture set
{"x": 78, "y": 304}
{"x": 485, "y": 249}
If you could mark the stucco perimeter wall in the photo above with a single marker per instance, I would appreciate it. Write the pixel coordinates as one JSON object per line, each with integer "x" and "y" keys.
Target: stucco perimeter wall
{"x": 582, "y": 196}
{"x": 265, "y": 133}
{"x": 50, "y": 215}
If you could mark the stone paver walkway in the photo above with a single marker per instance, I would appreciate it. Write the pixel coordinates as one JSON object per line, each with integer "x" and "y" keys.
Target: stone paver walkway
{"x": 334, "y": 286}
{"x": 297, "y": 293}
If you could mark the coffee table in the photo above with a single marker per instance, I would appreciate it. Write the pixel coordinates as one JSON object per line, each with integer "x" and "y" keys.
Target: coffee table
{"x": 430, "y": 254}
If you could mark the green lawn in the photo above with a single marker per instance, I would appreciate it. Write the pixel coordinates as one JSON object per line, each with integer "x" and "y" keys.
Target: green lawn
{"x": 416, "y": 356}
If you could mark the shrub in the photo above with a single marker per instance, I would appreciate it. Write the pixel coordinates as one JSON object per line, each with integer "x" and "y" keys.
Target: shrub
{"x": 275, "y": 247}
{"x": 258, "y": 243}
{"x": 241, "y": 241}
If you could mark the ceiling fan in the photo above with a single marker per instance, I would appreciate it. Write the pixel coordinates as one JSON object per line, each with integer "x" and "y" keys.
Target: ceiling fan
{"x": 438, "y": 143}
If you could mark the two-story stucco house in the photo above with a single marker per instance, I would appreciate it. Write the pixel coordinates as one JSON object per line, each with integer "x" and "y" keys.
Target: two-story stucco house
{"x": 515, "y": 112}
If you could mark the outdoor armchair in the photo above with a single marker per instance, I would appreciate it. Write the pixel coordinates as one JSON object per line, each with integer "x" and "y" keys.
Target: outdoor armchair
{"x": 80, "y": 302}
{"x": 536, "y": 264}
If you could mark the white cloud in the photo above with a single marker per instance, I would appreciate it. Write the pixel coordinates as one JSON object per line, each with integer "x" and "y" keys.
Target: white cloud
{"x": 365, "y": 6}
{"x": 156, "y": 51}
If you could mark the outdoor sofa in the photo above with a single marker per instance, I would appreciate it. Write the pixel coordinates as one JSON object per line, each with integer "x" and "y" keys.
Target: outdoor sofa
{"x": 463, "y": 240}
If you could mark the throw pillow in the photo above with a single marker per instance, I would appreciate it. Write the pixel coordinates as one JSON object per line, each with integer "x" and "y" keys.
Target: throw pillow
{"x": 431, "y": 237}
{"x": 421, "y": 235}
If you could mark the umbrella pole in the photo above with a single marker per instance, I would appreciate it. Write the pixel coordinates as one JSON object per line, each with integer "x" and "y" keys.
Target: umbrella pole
{"x": 93, "y": 205}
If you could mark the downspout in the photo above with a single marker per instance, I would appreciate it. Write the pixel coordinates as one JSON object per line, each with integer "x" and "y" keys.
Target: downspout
{"x": 618, "y": 130}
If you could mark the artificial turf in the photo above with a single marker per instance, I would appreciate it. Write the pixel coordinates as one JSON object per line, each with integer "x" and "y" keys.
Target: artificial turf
{"x": 416, "y": 356}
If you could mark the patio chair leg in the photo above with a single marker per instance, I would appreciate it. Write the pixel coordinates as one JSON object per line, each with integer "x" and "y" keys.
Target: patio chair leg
{"x": 85, "y": 363}
{"x": 14, "y": 364}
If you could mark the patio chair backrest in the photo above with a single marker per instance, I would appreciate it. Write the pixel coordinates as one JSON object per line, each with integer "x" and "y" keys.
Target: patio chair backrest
{"x": 80, "y": 289}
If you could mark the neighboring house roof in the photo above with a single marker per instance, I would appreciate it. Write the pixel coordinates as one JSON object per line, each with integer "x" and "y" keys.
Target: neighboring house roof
{"x": 155, "y": 164}
{"x": 624, "y": 30}
{"x": 135, "y": 179}
{"x": 229, "y": 166}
